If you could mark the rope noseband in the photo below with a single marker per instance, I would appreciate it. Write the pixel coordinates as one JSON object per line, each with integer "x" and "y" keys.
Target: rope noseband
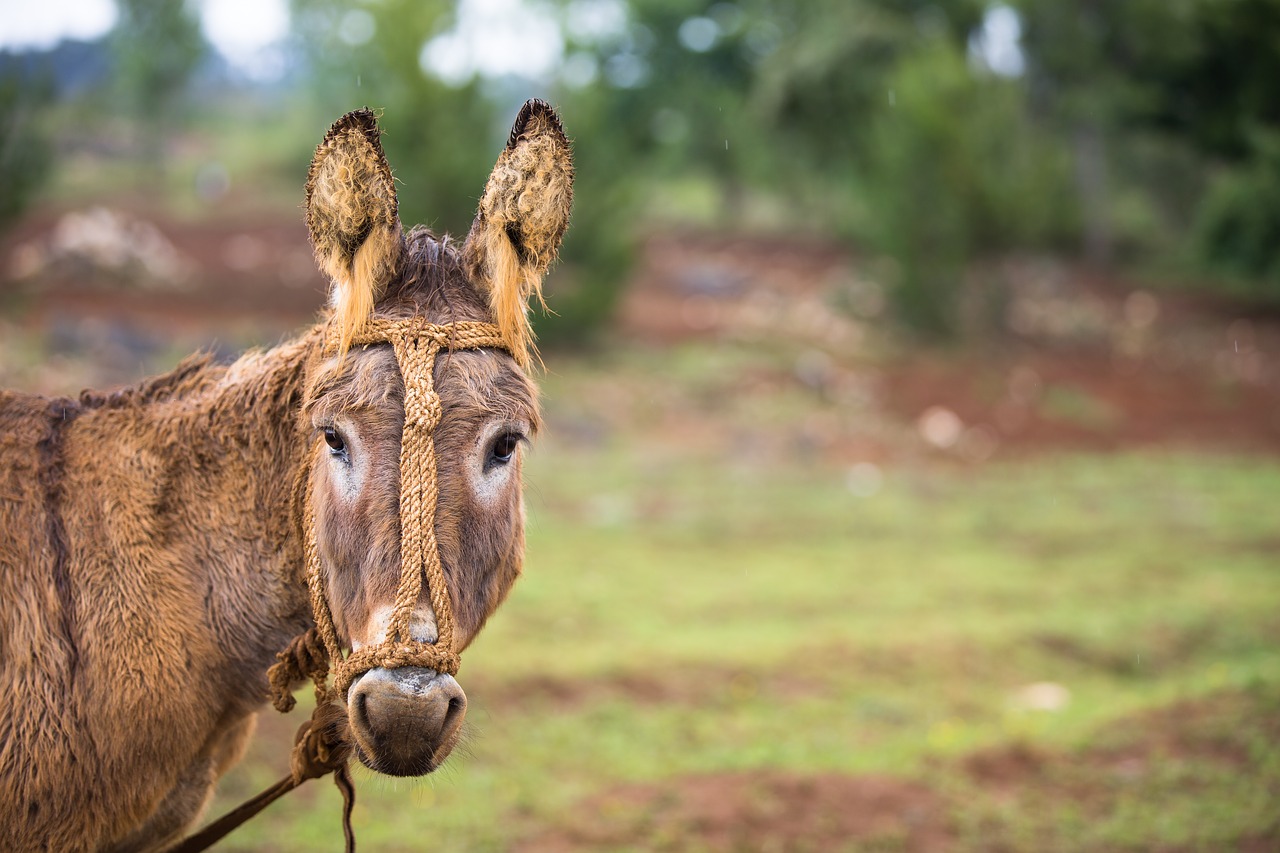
{"x": 321, "y": 745}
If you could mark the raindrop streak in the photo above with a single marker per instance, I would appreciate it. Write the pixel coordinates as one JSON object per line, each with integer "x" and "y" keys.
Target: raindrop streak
{"x": 357, "y": 81}
{"x": 892, "y": 100}
{"x": 726, "y": 145}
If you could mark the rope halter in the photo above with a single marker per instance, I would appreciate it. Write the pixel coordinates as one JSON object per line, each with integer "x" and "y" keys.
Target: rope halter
{"x": 321, "y": 746}
{"x": 416, "y": 345}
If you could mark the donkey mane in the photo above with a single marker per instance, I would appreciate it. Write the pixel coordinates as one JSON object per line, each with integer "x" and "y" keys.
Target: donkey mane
{"x": 429, "y": 286}
{"x": 431, "y": 283}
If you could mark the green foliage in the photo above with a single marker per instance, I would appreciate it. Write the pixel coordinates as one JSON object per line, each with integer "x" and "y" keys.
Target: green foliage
{"x": 25, "y": 151}
{"x": 659, "y": 110}
{"x": 924, "y": 187}
{"x": 864, "y": 115}
{"x": 829, "y": 71}
{"x": 1102, "y": 62}
{"x": 954, "y": 169}
{"x": 1214, "y": 78}
{"x": 1196, "y": 74}
{"x": 1239, "y": 225}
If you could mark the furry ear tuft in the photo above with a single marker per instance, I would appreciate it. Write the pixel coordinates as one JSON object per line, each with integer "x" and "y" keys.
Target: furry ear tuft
{"x": 521, "y": 221}
{"x": 353, "y": 219}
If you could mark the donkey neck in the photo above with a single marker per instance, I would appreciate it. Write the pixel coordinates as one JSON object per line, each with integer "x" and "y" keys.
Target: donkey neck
{"x": 247, "y": 436}
{"x": 183, "y": 567}
{"x": 214, "y": 453}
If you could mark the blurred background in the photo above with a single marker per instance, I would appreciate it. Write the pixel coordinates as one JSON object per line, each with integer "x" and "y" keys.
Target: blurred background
{"x": 912, "y": 393}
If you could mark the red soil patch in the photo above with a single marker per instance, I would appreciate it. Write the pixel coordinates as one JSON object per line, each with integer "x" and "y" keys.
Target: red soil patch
{"x": 755, "y": 810}
{"x": 1088, "y": 361}
{"x": 1217, "y": 730}
{"x": 257, "y": 270}
{"x": 1088, "y": 401}
{"x": 691, "y": 286}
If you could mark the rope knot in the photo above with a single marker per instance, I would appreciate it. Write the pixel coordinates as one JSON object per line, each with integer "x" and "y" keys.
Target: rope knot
{"x": 422, "y": 409}
{"x": 304, "y": 657}
{"x": 319, "y": 747}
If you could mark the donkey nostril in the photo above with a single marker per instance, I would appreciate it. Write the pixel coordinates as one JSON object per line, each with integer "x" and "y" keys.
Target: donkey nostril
{"x": 361, "y": 708}
{"x": 453, "y": 716}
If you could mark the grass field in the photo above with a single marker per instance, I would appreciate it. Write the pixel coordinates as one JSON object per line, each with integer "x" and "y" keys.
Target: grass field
{"x": 1057, "y": 652}
{"x": 758, "y": 611}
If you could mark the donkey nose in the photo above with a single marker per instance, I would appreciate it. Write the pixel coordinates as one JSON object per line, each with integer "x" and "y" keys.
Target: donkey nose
{"x": 405, "y": 721}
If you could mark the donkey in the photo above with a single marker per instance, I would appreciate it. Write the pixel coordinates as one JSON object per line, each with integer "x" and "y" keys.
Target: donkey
{"x": 155, "y": 541}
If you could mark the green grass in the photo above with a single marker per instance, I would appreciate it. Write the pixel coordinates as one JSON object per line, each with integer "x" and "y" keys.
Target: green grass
{"x": 774, "y": 621}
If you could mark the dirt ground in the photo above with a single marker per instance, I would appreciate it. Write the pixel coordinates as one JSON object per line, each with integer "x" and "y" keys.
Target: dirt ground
{"x": 125, "y": 265}
{"x": 1076, "y": 359}
{"x": 775, "y": 810}
{"x": 764, "y": 810}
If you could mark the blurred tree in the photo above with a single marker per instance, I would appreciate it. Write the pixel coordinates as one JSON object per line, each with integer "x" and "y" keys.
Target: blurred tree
{"x": 830, "y": 73}
{"x": 1093, "y": 67}
{"x": 1200, "y": 74}
{"x": 1220, "y": 97}
{"x": 157, "y": 46}
{"x": 675, "y": 80}
{"x": 660, "y": 96}
{"x": 920, "y": 151}
{"x": 954, "y": 170}
{"x": 25, "y": 150}
{"x": 1238, "y": 229}
{"x": 1217, "y": 84}
{"x": 805, "y": 97}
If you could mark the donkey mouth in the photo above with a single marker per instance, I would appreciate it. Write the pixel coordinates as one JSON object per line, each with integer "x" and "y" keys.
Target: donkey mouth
{"x": 405, "y": 721}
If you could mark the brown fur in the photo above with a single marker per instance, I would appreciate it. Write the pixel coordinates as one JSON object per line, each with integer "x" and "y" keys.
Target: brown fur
{"x": 181, "y": 567}
{"x": 150, "y": 540}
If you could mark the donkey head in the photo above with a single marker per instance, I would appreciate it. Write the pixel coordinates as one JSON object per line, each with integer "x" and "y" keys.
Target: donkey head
{"x": 404, "y": 720}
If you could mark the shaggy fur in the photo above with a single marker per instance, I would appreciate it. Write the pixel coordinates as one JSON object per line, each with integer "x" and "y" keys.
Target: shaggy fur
{"x": 150, "y": 540}
{"x": 352, "y": 215}
{"x": 522, "y": 219}
{"x": 122, "y": 702}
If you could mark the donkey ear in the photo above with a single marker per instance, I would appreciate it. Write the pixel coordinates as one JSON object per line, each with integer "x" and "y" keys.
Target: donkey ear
{"x": 353, "y": 219}
{"x": 521, "y": 221}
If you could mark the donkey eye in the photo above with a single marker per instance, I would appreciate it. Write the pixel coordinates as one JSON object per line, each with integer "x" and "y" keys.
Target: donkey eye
{"x": 504, "y": 447}
{"x": 335, "y": 442}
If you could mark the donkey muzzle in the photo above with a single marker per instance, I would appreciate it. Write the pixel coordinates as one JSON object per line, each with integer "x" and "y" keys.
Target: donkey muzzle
{"x": 405, "y": 721}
